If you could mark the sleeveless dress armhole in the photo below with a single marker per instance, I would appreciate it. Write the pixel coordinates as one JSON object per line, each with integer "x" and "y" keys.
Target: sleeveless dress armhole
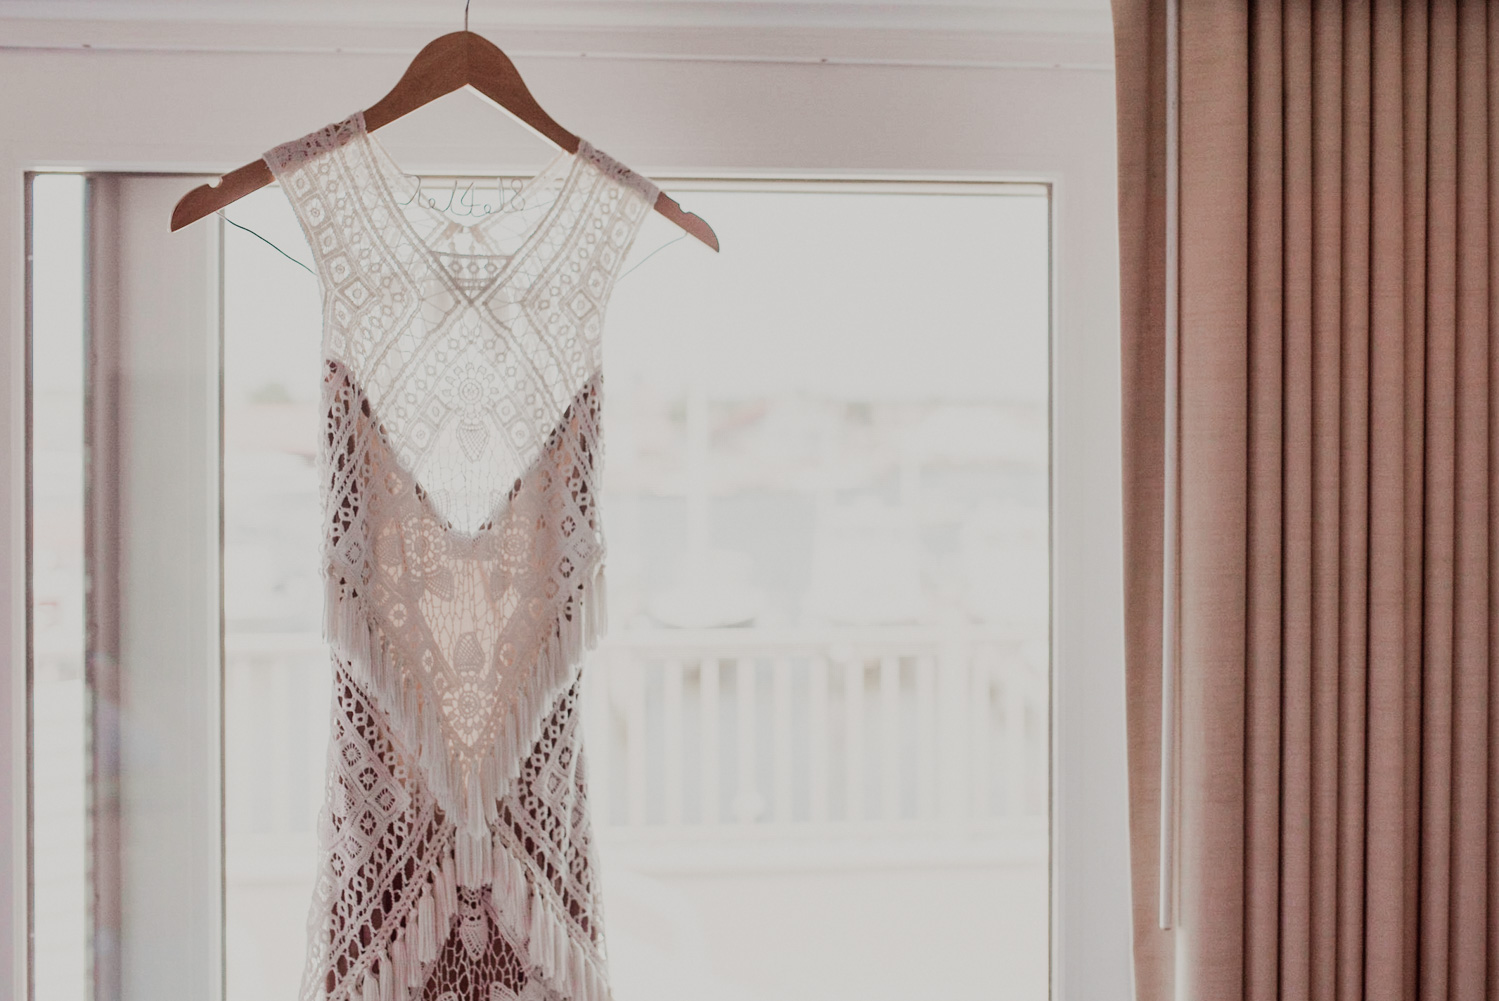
{"x": 292, "y": 165}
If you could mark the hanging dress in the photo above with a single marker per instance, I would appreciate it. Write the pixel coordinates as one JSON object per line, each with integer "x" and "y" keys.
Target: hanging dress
{"x": 463, "y": 560}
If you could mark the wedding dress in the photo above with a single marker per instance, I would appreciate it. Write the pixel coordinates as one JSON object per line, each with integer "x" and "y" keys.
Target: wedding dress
{"x": 463, "y": 560}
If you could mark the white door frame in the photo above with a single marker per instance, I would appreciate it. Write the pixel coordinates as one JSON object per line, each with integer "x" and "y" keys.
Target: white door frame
{"x": 981, "y": 105}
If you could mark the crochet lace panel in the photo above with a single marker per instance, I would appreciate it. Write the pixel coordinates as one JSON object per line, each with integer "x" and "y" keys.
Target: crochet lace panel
{"x": 463, "y": 560}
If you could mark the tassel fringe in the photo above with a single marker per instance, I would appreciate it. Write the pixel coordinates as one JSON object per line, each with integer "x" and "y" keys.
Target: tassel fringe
{"x": 475, "y": 855}
{"x": 469, "y": 796}
{"x": 510, "y": 892}
{"x": 568, "y": 966}
{"x": 426, "y": 925}
{"x": 387, "y": 979}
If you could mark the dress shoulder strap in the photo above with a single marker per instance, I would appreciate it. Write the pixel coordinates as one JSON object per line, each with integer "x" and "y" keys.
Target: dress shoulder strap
{"x": 309, "y": 172}
{"x": 618, "y": 172}
{"x": 289, "y": 156}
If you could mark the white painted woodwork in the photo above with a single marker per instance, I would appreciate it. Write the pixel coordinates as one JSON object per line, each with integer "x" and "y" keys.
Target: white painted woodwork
{"x": 156, "y": 317}
{"x": 928, "y": 103}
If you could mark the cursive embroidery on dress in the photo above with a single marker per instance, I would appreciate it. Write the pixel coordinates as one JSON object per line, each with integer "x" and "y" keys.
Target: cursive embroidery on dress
{"x": 463, "y": 560}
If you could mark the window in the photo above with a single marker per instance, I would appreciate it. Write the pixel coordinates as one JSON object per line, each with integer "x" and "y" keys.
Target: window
{"x": 827, "y": 480}
{"x": 782, "y": 542}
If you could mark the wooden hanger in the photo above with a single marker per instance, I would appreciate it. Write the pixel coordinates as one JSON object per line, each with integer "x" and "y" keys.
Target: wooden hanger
{"x": 448, "y": 63}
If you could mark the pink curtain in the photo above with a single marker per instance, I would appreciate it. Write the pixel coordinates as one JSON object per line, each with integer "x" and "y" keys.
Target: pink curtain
{"x": 1338, "y": 717}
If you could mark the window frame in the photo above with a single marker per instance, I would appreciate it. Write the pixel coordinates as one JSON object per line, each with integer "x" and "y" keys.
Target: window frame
{"x": 131, "y": 111}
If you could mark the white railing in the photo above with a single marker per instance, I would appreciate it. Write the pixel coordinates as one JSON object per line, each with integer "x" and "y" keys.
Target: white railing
{"x": 823, "y": 733}
{"x": 277, "y": 693}
{"x": 701, "y": 743}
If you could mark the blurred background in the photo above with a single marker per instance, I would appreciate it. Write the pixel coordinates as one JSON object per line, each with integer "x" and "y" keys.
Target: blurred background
{"x": 817, "y": 732}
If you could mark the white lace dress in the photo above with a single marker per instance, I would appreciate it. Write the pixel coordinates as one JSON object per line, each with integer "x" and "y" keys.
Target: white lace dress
{"x": 463, "y": 561}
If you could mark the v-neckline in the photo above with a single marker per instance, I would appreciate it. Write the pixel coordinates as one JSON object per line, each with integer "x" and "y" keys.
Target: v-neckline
{"x": 389, "y": 171}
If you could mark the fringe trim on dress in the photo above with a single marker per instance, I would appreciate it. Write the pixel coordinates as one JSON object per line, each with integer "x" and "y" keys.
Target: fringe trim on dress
{"x": 470, "y": 801}
{"x": 567, "y": 965}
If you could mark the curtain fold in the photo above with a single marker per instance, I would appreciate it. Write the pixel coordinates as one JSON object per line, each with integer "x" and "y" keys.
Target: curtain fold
{"x": 1338, "y": 722}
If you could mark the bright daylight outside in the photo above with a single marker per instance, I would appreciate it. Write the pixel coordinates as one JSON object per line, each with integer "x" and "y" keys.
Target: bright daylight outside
{"x": 817, "y": 732}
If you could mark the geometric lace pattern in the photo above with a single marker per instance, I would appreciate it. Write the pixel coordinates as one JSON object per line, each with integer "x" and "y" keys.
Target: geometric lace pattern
{"x": 463, "y": 557}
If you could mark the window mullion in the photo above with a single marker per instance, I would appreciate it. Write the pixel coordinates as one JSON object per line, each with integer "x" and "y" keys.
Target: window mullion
{"x": 155, "y": 594}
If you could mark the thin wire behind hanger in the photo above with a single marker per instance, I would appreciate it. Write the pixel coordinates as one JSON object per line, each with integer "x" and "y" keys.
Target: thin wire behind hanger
{"x": 268, "y": 243}
{"x": 668, "y": 243}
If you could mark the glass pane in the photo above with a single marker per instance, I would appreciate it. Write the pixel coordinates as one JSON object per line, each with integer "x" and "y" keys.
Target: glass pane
{"x": 817, "y": 730}
{"x": 276, "y": 677}
{"x": 59, "y": 704}
{"x": 823, "y": 703}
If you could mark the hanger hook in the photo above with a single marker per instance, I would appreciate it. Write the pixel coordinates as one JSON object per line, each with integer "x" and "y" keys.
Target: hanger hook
{"x": 465, "y": 13}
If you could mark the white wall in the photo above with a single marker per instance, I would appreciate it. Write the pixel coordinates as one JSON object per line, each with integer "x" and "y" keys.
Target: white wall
{"x": 931, "y": 104}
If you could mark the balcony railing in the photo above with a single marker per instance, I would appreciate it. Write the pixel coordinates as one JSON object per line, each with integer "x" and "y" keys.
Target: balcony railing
{"x": 722, "y": 748}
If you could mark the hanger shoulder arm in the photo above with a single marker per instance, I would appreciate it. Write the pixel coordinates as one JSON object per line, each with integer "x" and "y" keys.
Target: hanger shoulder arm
{"x": 694, "y": 224}
{"x": 207, "y": 199}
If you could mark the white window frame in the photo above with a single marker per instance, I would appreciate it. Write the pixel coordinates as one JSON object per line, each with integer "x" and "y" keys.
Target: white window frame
{"x": 848, "y": 103}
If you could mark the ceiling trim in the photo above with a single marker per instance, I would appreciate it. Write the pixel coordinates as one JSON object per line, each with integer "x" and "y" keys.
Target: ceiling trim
{"x": 825, "y": 46}
{"x": 1078, "y": 17}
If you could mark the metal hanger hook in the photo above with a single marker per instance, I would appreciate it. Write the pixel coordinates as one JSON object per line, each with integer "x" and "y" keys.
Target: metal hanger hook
{"x": 465, "y": 13}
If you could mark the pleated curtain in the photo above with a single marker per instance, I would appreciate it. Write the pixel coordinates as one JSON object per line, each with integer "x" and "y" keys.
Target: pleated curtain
{"x": 1338, "y": 716}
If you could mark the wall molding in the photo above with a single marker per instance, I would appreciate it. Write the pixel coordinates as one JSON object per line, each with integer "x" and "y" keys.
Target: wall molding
{"x": 1084, "y": 17}
{"x": 832, "y": 31}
